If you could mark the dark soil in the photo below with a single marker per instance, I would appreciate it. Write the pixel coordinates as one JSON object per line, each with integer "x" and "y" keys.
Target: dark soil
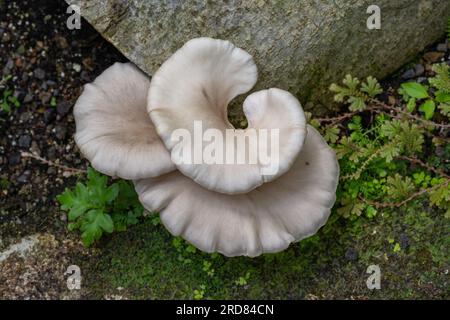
{"x": 48, "y": 65}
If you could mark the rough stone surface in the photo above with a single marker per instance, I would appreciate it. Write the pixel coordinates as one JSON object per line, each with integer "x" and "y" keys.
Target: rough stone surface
{"x": 300, "y": 46}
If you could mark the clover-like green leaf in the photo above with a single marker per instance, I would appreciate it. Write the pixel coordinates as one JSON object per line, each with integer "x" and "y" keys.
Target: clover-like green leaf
{"x": 428, "y": 108}
{"x": 415, "y": 90}
{"x": 411, "y": 105}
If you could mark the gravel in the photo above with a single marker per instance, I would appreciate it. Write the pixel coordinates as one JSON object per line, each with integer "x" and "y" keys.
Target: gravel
{"x": 60, "y": 132}
{"x": 408, "y": 74}
{"x": 39, "y": 73}
{"x": 25, "y": 141}
{"x": 442, "y": 47}
{"x": 14, "y": 158}
{"x": 49, "y": 115}
{"x": 24, "y": 177}
{"x": 63, "y": 108}
{"x": 41, "y": 55}
{"x": 419, "y": 70}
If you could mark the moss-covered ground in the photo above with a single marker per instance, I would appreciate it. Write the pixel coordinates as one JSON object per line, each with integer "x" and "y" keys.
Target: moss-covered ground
{"x": 409, "y": 245}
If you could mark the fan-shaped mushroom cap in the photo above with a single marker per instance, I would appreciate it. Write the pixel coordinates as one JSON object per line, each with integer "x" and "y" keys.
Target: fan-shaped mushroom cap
{"x": 196, "y": 84}
{"x": 266, "y": 219}
{"x": 113, "y": 128}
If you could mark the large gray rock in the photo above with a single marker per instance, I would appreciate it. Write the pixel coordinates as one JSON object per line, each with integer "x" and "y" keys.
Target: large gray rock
{"x": 299, "y": 45}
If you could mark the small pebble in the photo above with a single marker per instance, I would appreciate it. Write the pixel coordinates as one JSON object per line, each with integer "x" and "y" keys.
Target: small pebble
{"x": 39, "y": 73}
{"x": 422, "y": 79}
{"x": 442, "y": 47}
{"x": 351, "y": 254}
{"x": 408, "y": 74}
{"x": 28, "y": 98}
{"x": 419, "y": 70}
{"x": 25, "y": 76}
{"x": 14, "y": 158}
{"x": 60, "y": 132}
{"x": 49, "y": 116}
{"x": 76, "y": 67}
{"x": 63, "y": 108}
{"x": 24, "y": 141}
{"x": 45, "y": 97}
{"x": 21, "y": 49}
{"x": 24, "y": 177}
{"x": 6, "y": 37}
{"x": 85, "y": 76}
{"x": 51, "y": 153}
{"x": 26, "y": 116}
{"x": 9, "y": 64}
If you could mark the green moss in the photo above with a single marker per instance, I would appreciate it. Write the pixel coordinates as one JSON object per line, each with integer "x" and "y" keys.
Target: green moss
{"x": 149, "y": 264}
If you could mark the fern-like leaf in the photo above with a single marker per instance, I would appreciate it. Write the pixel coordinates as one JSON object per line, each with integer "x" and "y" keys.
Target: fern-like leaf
{"x": 371, "y": 87}
{"x": 441, "y": 81}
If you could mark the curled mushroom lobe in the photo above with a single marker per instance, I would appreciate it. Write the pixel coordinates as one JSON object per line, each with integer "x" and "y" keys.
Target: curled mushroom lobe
{"x": 113, "y": 129}
{"x": 125, "y": 127}
{"x": 195, "y": 85}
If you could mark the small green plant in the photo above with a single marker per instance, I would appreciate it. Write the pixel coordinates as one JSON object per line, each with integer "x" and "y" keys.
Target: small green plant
{"x": 199, "y": 293}
{"x": 8, "y": 100}
{"x": 96, "y": 208}
{"x": 243, "y": 280}
{"x": 184, "y": 250}
{"x": 413, "y": 92}
{"x": 356, "y": 93}
{"x": 207, "y": 268}
{"x": 376, "y": 143}
{"x": 53, "y": 102}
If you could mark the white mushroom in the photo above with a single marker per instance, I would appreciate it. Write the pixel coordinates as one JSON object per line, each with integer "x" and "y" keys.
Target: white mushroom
{"x": 113, "y": 129}
{"x": 267, "y": 219}
{"x": 196, "y": 84}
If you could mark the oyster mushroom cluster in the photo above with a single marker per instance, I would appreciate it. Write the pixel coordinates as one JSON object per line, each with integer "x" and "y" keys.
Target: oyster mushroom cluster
{"x": 125, "y": 124}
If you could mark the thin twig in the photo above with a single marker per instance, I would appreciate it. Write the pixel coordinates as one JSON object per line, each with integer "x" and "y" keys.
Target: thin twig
{"x": 376, "y": 106}
{"x": 337, "y": 119}
{"x": 52, "y": 164}
{"x": 401, "y": 203}
{"x": 423, "y": 164}
{"x": 410, "y": 115}
{"x": 334, "y": 120}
